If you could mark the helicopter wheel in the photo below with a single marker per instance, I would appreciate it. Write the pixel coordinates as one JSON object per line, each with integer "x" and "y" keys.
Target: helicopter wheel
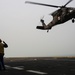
{"x": 73, "y": 20}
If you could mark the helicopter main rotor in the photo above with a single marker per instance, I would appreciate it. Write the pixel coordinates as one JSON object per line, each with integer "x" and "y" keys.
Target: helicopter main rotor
{"x": 55, "y": 6}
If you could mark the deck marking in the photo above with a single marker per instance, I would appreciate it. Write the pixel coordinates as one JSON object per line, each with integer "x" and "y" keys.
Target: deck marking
{"x": 7, "y": 66}
{"x": 18, "y": 67}
{"x": 37, "y": 72}
{"x": 22, "y": 68}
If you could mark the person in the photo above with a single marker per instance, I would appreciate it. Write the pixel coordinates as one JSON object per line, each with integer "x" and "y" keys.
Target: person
{"x": 2, "y": 46}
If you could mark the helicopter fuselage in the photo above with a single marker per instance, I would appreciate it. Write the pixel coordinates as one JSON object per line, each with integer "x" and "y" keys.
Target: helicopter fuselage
{"x": 63, "y": 15}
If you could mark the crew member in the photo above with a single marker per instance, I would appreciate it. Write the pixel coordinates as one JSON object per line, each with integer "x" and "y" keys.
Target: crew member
{"x": 2, "y": 46}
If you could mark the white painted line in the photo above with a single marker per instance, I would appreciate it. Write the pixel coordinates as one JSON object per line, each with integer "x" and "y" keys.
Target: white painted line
{"x": 7, "y": 66}
{"x": 37, "y": 72}
{"x": 18, "y": 68}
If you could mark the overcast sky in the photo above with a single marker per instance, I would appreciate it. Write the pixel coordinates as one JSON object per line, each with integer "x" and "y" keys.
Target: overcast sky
{"x": 18, "y": 23}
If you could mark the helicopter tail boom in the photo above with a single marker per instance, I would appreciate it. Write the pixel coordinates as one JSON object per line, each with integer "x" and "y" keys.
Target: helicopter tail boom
{"x": 40, "y": 27}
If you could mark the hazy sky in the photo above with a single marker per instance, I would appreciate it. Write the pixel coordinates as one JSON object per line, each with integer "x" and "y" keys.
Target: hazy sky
{"x": 18, "y": 23}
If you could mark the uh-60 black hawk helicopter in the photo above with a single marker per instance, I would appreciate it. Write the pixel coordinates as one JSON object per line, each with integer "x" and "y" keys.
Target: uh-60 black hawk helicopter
{"x": 60, "y": 16}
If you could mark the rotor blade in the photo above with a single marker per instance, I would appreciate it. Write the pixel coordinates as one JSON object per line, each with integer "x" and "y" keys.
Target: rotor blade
{"x": 42, "y": 4}
{"x": 68, "y": 2}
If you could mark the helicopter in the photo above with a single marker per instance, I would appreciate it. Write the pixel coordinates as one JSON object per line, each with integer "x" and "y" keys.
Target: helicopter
{"x": 61, "y": 15}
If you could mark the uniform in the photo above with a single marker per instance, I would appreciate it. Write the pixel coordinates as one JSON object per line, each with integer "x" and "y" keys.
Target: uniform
{"x": 2, "y": 46}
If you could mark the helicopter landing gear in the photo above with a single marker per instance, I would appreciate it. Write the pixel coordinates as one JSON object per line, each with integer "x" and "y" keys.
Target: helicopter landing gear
{"x": 73, "y": 20}
{"x": 47, "y": 31}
